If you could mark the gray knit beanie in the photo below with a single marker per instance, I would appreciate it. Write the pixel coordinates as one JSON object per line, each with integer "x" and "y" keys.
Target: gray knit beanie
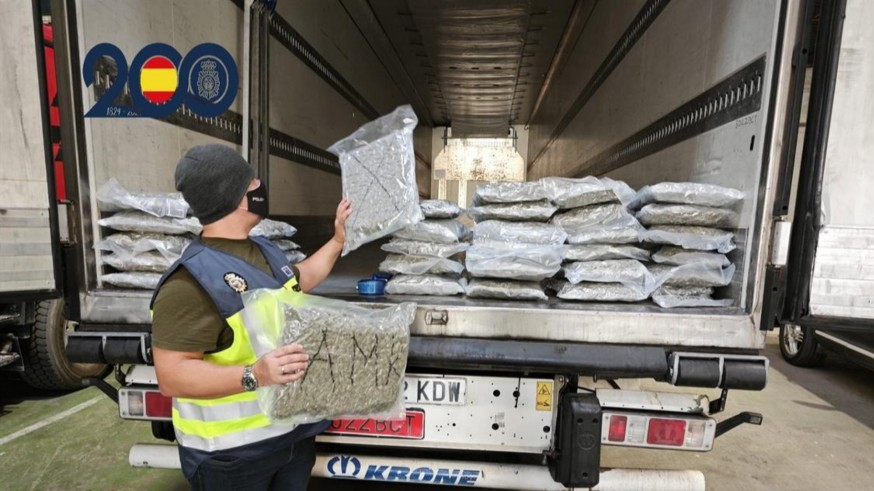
{"x": 213, "y": 180}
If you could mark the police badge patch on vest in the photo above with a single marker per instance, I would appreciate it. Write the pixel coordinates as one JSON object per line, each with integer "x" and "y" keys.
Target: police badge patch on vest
{"x": 236, "y": 282}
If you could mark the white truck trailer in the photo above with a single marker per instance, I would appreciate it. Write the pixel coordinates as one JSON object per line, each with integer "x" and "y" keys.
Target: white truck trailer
{"x": 500, "y": 394}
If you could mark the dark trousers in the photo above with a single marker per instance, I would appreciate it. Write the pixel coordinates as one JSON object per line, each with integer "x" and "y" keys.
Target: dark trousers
{"x": 281, "y": 471}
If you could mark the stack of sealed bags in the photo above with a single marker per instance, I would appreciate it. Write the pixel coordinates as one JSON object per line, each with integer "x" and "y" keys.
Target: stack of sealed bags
{"x": 423, "y": 256}
{"x": 688, "y": 220}
{"x": 151, "y": 231}
{"x": 514, "y": 248}
{"x": 604, "y": 255}
{"x": 280, "y": 233}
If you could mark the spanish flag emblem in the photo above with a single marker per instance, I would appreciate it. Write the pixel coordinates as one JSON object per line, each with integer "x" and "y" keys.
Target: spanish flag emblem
{"x": 158, "y": 79}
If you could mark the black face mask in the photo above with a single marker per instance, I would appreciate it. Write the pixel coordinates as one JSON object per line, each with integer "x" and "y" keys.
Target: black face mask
{"x": 256, "y": 200}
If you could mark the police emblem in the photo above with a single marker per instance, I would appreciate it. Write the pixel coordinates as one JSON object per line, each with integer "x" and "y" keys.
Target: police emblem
{"x": 236, "y": 282}
{"x": 208, "y": 82}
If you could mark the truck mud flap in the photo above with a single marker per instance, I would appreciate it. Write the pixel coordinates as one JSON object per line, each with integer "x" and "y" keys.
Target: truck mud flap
{"x": 576, "y": 459}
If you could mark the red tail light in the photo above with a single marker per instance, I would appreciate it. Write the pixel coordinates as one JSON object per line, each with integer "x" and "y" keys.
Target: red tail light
{"x": 648, "y": 430}
{"x": 666, "y": 432}
{"x": 144, "y": 402}
{"x": 617, "y": 428}
{"x": 158, "y": 405}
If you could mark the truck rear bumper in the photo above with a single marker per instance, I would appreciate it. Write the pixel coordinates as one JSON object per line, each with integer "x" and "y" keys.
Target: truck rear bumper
{"x": 452, "y": 472}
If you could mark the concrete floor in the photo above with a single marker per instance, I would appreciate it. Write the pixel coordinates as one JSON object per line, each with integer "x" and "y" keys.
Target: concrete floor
{"x": 818, "y": 434}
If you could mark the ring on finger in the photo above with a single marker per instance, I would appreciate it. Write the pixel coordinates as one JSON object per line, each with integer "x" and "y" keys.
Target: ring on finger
{"x": 282, "y": 369}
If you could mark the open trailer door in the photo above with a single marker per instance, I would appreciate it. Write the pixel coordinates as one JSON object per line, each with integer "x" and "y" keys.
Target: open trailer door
{"x": 830, "y": 288}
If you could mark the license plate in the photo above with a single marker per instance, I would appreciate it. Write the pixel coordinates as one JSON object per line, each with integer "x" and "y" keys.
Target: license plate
{"x": 434, "y": 390}
{"x": 411, "y": 427}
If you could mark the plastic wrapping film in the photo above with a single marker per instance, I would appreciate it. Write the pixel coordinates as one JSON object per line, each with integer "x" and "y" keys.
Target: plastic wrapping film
{"x": 358, "y": 356}
{"x": 140, "y": 221}
{"x": 601, "y": 252}
{"x": 534, "y": 263}
{"x": 440, "y": 208}
{"x": 428, "y": 284}
{"x": 702, "y": 216}
{"x": 403, "y": 264}
{"x": 695, "y": 238}
{"x": 113, "y": 197}
{"x": 436, "y": 231}
{"x": 131, "y": 244}
{"x": 285, "y": 244}
{"x": 677, "y": 256}
{"x": 510, "y": 192}
{"x": 505, "y": 289}
{"x": 152, "y": 262}
{"x": 418, "y": 248}
{"x": 294, "y": 257}
{"x": 692, "y": 275}
{"x": 273, "y": 229}
{"x": 600, "y": 224}
{"x": 568, "y": 193}
{"x": 533, "y": 211}
{"x": 678, "y": 296}
{"x": 596, "y": 292}
{"x": 378, "y": 167}
{"x": 141, "y": 281}
{"x": 528, "y": 233}
{"x": 688, "y": 193}
{"x": 628, "y": 272}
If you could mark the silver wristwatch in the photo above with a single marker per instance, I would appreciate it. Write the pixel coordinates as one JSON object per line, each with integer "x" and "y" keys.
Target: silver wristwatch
{"x": 249, "y": 381}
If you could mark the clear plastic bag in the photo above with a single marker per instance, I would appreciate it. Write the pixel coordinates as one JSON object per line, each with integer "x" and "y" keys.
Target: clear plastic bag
{"x": 535, "y": 263}
{"x": 510, "y": 192}
{"x": 695, "y": 238}
{"x": 519, "y": 232}
{"x": 379, "y": 177}
{"x": 152, "y": 262}
{"x": 286, "y": 245}
{"x": 533, "y": 211}
{"x": 692, "y": 275}
{"x": 140, "y": 221}
{"x": 437, "y": 231}
{"x": 402, "y": 264}
{"x": 505, "y": 289}
{"x": 677, "y": 256}
{"x": 418, "y": 248}
{"x": 131, "y": 244}
{"x": 440, "y": 208}
{"x": 600, "y": 224}
{"x": 113, "y": 197}
{"x": 294, "y": 257}
{"x": 273, "y": 229}
{"x": 358, "y": 356}
{"x": 570, "y": 193}
{"x": 694, "y": 215}
{"x": 428, "y": 284}
{"x": 688, "y": 193}
{"x": 628, "y": 272}
{"x": 603, "y": 235}
{"x": 677, "y": 296}
{"x": 608, "y": 215}
{"x": 140, "y": 281}
{"x": 597, "y": 292}
{"x": 601, "y": 252}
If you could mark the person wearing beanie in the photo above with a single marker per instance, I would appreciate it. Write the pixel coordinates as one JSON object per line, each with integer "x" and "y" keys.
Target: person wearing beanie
{"x": 201, "y": 350}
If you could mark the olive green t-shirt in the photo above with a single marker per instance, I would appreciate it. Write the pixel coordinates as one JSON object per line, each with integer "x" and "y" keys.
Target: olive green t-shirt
{"x": 185, "y": 318}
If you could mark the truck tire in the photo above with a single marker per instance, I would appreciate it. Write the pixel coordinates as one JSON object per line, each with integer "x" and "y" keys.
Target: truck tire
{"x": 799, "y": 347}
{"x": 46, "y": 365}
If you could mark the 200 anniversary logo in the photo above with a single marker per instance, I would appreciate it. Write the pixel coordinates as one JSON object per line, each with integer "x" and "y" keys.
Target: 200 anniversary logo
{"x": 160, "y": 80}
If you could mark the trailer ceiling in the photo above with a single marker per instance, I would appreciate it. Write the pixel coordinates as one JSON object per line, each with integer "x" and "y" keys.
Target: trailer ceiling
{"x": 477, "y": 65}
